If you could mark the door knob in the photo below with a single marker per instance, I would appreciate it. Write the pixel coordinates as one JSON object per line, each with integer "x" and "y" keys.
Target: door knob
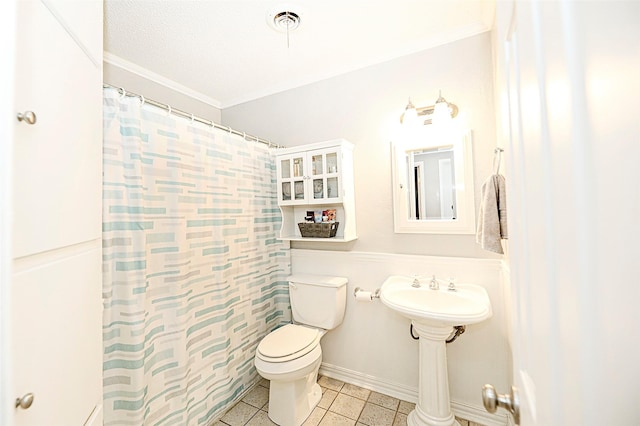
{"x": 492, "y": 400}
{"x": 28, "y": 117}
{"x": 25, "y": 402}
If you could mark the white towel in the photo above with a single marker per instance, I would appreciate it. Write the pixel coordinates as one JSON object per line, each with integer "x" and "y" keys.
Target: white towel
{"x": 492, "y": 218}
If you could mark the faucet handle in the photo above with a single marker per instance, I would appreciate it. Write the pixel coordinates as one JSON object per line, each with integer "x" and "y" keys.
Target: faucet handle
{"x": 416, "y": 280}
{"x": 452, "y": 284}
{"x": 434, "y": 284}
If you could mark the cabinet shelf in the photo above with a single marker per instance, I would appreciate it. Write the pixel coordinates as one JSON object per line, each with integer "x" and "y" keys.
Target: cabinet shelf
{"x": 312, "y": 178}
{"x": 322, "y": 240}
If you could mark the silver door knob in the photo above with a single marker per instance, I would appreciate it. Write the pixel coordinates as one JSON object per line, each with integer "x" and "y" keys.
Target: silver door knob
{"x": 25, "y": 402}
{"x": 28, "y": 117}
{"x": 492, "y": 400}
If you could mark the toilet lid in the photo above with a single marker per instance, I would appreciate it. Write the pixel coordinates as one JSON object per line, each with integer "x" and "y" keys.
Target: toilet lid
{"x": 288, "y": 340}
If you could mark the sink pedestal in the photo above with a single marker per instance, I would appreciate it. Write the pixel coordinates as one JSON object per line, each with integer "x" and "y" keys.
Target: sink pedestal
{"x": 433, "y": 407}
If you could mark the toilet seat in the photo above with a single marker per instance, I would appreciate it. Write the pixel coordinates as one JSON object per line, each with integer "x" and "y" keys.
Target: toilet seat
{"x": 288, "y": 342}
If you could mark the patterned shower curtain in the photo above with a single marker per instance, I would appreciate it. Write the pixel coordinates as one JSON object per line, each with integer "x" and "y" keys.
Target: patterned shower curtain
{"x": 193, "y": 274}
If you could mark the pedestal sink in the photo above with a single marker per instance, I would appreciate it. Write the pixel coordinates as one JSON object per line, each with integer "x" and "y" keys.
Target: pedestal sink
{"x": 434, "y": 312}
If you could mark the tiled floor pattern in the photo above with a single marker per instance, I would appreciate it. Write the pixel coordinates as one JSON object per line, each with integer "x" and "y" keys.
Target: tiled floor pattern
{"x": 342, "y": 404}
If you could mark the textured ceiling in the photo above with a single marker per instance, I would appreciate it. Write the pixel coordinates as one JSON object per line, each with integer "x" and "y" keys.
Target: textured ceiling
{"x": 226, "y": 51}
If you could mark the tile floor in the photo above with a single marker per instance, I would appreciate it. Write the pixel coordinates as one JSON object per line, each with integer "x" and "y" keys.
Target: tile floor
{"x": 341, "y": 404}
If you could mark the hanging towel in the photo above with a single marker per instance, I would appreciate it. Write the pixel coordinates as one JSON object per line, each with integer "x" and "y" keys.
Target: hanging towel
{"x": 492, "y": 218}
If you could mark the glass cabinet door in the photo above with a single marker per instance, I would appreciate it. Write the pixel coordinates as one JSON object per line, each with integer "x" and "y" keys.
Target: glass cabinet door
{"x": 333, "y": 190}
{"x": 298, "y": 178}
{"x": 292, "y": 179}
{"x": 324, "y": 175}
{"x": 317, "y": 172}
{"x": 285, "y": 175}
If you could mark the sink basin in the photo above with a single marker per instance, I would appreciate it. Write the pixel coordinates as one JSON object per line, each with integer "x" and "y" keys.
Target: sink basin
{"x": 469, "y": 304}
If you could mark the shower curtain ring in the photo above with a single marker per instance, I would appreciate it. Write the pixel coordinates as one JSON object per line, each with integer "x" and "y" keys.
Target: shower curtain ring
{"x": 192, "y": 119}
{"x": 142, "y": 100}
{"x": 124, "y": 93}
{"x": 169, "y": 109}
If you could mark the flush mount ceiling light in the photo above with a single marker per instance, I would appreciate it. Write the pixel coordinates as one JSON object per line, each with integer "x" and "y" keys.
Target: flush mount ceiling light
{"x": 440, "y": 112}
{"x": 284, "y": 19}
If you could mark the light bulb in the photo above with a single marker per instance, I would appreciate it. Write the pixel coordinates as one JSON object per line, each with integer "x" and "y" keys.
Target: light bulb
{"x": 410, "y": 116}
{"x": 441, "y": 113}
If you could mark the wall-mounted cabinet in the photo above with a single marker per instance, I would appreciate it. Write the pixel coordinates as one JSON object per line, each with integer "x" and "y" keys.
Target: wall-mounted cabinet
{"x": 316, "y": 177}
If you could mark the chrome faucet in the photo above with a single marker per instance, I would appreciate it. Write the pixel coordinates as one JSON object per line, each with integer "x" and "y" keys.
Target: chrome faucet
{"x": 434, "y": 284}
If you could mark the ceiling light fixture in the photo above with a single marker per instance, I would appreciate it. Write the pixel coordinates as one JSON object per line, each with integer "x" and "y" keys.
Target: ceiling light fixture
{"x": 284, "y": 21}
{"x": 439, "y": 113}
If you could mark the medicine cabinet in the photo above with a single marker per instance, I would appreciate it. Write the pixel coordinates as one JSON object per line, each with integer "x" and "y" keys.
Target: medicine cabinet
{"x": 433, "y": 190}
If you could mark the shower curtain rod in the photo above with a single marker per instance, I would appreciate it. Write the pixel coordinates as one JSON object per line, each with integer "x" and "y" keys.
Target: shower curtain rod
{"x": 178, "y": 112}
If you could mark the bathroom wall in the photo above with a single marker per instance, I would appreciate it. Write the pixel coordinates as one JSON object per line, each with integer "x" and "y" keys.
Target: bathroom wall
{"x": 372, "y": 348}
{"x": 364, "y": 107}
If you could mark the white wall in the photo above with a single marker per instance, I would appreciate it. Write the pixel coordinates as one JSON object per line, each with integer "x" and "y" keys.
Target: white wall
{"x": 364, "y": 107}
{"x": 146, "y": 86}
{"x": 373, "y": 348}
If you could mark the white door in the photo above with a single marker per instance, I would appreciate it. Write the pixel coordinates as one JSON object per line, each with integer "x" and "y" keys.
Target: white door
{"x": 51, "y": 306}
{"x": 7, "y": 47}
{"x": 568, "y": 76}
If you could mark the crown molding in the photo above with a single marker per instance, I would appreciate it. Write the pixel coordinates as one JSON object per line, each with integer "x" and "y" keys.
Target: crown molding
{"x": 117, "y": 61}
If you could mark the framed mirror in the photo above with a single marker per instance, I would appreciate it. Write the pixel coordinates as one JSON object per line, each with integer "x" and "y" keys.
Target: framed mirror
{"x": 433, "y": 188}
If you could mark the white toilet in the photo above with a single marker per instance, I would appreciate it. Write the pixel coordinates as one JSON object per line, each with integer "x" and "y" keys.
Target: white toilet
{"x": 290, "y": 356}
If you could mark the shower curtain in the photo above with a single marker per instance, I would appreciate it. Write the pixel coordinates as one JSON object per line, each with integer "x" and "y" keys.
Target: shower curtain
{"x": 193, "y": 274}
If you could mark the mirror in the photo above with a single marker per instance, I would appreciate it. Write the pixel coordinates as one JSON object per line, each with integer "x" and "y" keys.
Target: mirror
{"x": 433, "y": 188}
{"x": 431, "y": 180}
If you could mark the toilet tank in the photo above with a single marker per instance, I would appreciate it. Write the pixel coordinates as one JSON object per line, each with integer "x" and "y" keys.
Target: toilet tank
{"x": 318, "y": 300}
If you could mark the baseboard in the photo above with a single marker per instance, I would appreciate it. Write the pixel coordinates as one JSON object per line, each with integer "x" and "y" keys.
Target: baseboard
{"x": 478, "y": 414}
{"x": 465, "y": 411}
{"x": 373, "y": 383}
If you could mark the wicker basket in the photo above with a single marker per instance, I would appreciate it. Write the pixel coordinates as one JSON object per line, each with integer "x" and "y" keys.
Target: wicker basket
{"x": 318, "y": 230}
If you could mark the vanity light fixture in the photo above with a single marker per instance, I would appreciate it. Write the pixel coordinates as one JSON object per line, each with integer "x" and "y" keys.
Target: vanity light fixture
{"x": 440, "y": 112}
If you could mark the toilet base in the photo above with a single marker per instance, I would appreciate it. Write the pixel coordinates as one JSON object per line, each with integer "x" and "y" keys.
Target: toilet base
{"x": 290, "y": 403}
{"x": 293, "y": 391}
